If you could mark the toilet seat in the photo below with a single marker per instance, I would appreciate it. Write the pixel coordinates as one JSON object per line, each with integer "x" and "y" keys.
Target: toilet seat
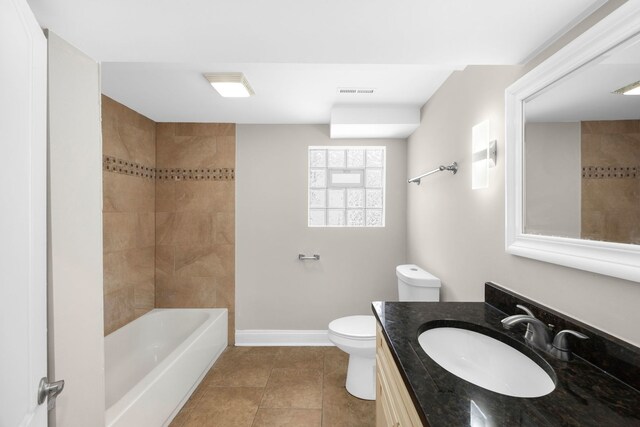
{"x": 360, "y": 328}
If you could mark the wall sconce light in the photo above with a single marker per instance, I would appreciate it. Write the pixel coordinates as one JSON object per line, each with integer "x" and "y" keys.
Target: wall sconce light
{"x": 483, "y": 154}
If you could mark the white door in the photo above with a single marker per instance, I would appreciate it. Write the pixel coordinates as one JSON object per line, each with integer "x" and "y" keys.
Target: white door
{"x": 23, "y": 97}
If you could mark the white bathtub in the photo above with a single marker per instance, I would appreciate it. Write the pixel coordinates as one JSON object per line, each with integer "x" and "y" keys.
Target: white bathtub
{"x": 153, "y": 364}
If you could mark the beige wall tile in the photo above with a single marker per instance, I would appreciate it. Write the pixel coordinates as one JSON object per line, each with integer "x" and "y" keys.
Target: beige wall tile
{"x": 610, "y": 207}
{"x": 139, "y": 265}
{"x": 119, "y": 309}
{"x": 231, "y": 330}
{"x": 120, "y": 230}
{"x": 226, "y": 293}
{"x": 140, "y": 143}
{"x": 202, "y": 261}
{"x": 188, "y": 152}
{"x": 166, "y": 243}
{"x": 165, "y": 130}
{"x": 144, "y": 294}
{"x": 165, "y": 196}
{"x": 226, "y": 151}
{"x": 198, "y": 261}
{"x": 165, "y": 224}
{"x": 611, "y": 127}
{"x": 146, "y": 231}
{"x": 196, "y": 219}
{"x": 128, "y": 217}
{"x": 195, "y": 196}
{"x": 113, "y": 267}
{"x": 127, "y": 134}
{"x": 164, "y": 259}
{"x": 126, "y": 193}
{"x": 194, "y": 228}
{"x": 210, "y": 196}
{"x": 185, "y": 292}
{"x": 205, "y": 129}
{"x": 225, "y": 228}
{"x": 610, "y": 149}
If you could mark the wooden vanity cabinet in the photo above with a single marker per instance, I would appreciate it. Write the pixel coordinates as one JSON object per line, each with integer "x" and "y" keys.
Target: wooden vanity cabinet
{"x": 394, "y": 407}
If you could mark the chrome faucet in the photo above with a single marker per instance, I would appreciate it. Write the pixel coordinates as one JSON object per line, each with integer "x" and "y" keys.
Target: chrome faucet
{"x": 539, "y": 335}
{"x": 529, "y": 333}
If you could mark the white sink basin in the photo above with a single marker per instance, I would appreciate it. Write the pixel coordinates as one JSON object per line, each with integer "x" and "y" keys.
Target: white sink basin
{"x": 486, "y": 362}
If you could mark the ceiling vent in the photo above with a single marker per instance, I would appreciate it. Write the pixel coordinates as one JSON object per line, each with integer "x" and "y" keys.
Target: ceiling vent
{"x": 356, "y": 90}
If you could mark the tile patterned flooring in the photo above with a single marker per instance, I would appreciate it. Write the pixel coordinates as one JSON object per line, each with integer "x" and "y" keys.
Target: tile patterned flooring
{"x": 276, "y": 386}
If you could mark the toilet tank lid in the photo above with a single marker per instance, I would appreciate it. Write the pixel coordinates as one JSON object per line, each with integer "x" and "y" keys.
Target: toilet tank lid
{"x": 413, "y": 275}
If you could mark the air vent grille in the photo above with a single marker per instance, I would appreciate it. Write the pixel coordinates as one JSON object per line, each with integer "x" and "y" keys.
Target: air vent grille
{"x": 356, "y": 90}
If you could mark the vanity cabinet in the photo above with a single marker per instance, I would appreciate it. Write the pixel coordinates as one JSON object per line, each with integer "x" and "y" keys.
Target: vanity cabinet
{"x": 394, "y": 407}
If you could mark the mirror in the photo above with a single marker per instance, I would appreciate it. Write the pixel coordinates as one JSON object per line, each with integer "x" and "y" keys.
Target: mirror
{"x": 582, "y": 152}
{"x": 573, "y": 153}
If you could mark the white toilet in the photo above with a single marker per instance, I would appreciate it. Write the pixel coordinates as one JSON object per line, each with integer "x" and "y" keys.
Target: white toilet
{"x": 356, "y": 335}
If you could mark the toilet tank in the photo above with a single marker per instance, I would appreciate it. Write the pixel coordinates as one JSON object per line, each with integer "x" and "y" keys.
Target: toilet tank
{"x": 415, "y": 284}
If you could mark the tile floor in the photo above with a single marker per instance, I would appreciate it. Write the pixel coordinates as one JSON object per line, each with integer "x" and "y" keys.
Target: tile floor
{"x": 276, "y": 386}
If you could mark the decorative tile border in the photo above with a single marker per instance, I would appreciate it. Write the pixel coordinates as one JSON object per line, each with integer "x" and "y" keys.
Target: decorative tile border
{"x": 220, "y": 174}
{"x": 115, "y": 165}
{"x": 604, "y": 172}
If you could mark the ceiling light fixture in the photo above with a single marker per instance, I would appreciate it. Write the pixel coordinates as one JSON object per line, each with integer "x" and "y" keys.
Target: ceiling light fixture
{"x": 632, "y": 89}
{"x": 230, "y": 85}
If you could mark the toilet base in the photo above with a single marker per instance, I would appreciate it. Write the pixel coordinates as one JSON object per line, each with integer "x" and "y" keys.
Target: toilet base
{"x": 361, "y": 377}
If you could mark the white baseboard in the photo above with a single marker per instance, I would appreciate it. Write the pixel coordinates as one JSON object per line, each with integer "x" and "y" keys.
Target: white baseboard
{"x": 274, "y": 337}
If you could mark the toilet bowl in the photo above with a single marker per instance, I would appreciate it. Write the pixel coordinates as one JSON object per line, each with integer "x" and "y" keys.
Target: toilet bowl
{"x": 356, "y": 335}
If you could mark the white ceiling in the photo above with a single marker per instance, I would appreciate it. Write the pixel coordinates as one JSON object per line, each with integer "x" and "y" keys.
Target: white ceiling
{"x": 587, "y": 94}
{"x": 295, "y": 53}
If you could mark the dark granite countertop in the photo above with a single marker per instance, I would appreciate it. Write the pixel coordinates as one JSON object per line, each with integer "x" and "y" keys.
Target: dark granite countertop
{"x": 584, "y": 395}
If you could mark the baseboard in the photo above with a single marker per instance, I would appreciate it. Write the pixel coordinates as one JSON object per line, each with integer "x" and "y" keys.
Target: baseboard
{"x": 274, "y": 337}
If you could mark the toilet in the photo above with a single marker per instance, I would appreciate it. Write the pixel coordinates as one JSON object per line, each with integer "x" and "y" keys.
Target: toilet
{"x": 356, "y": 335}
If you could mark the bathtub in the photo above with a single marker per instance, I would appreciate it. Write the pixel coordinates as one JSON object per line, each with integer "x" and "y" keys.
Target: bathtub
{"x": 153, "y": 364}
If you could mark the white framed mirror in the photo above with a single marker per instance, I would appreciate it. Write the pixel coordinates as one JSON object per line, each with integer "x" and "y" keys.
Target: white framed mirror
{"x": 573, "y": 153}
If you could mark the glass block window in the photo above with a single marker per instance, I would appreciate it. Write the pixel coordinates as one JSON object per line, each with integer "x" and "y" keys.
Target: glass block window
{"x": 346, "y": 186}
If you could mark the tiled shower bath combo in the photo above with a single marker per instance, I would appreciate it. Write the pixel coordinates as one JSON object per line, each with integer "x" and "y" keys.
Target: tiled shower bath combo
{"x": 169, "y": 215}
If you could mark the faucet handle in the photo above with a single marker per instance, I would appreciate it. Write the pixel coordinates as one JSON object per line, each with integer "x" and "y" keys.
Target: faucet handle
{"x": 560, "y": 347}
{"x": 560, "y": 341}
{"x": 525, "y": 309}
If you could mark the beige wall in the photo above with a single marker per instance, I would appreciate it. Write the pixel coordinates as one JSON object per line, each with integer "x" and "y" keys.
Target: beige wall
{"x": 274, "y": 289}
{"x": 128, "y": 214}
{"x": 611, "y": 187}
{"x": 75, "y": 322}
{"x": 552, "y": 179}
{"x": 195, "y": 216}
{"x": 458, "y": 233}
